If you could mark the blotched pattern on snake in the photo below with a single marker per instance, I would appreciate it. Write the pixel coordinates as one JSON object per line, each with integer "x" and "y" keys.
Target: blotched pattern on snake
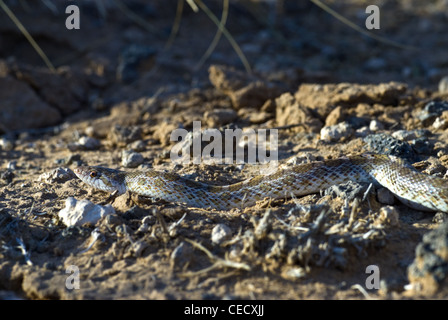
{"x": 413, "y": 188}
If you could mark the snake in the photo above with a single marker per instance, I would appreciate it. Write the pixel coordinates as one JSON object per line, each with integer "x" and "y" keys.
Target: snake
{"x": 415, "y": 189}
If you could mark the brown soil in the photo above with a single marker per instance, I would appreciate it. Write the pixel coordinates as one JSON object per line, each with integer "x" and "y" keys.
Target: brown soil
{"x": 309, "y": 71}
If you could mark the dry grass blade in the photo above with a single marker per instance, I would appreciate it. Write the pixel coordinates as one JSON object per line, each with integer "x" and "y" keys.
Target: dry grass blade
{"x": 50, "y": 5}
{"x": 137, "y": 19}
{"x": 363, "y": 291}
{"x": 161, "y": 221}
{"x": 214, "y": 43}
{"x": 193, "y": 5}
{"x": 355, "y": 27}
{"x": 226, "y": 33}
{"x": 176, "y": 24}
{"x": 27, "y": 35}
{"x": 218, "y": 262}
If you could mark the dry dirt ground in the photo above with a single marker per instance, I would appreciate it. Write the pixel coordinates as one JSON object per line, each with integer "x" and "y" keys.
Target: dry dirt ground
{"x": 119, "y": 91}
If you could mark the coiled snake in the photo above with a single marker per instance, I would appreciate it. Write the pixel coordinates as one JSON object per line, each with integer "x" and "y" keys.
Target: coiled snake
{"x": 413, "y": 188}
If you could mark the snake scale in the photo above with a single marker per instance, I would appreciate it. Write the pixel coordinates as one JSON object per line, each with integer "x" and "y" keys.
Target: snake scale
{"x": 413, "y": 188}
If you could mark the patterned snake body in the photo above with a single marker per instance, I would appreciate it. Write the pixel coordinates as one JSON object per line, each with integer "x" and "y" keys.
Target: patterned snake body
{"x": 413, "y": 188}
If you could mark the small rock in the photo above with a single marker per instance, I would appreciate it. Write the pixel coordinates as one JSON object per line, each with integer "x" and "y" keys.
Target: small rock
{"x": 12, "y": 165}
{"x": 336, "y": 132}
{"x": 181, "y": 255}
{"x": 122, "y": 136}
{"x": 6, "y": 144}
{"x": 148, "y": 105}
{"x": 79, "y": 212}
{"x": 74, "y": 158}
{"x": 434, "y": 168}
{"x": 123, "y": 230}
{"x": 336, "y": 116}
{"x": 431, "y": 111}
{"x": 147, "y": 222}
{"x": 172, "y": 213}
{"x": 254, "y": 116}
{"x": 439, "y": 217}
{"x": 348, "y": 190}
{"x": 57, "y": 175}
{"x": 289, "y": 111}
{"x": 385, "y": 196}
{"x": 422, "y": 145}
{"x": 295, "y": 273}
{"x": 131, "y": 159}
{"x": 138, "y": 247}
{"x": 84, "y": 143}
{"x": 406, "y": 135}
{"x": 362, "y": 132}
{"x": 138, "y": 146}
{"x": 7, "y": 176}
{"x": 90, "y": 132}
{"x": 443, "y": 85}
{"x": 220, "y": 233}
{"x": 112, "y": 220}
{"x": 375, "y": 125}
{"x": 219, "y": 117}
{"x": 388, "y": 216}
{"x": 440, "y": 123}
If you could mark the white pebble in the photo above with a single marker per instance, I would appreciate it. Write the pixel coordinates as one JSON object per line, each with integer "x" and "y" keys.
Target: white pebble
{"x": 84, "y": 143}
{"x": 90, "y": 131}
{"x": 404, "y": 135}
{"x": 375, "y": 125}
{"x": 89, "y": 143}
{"x": 12, "y": 165}
{"x": 220, "y": 233}
{"x": 336, "y": 132}
{"x": 79, "y": 212}
{"x": 443, "y": 85}
{"x": 6, "y": 144}
{"x": 439, "y": 123}
{"x": 362, "y": 132}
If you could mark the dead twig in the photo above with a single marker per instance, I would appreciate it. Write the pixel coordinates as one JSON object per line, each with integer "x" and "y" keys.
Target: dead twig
{"x": 217, "y": 262}
{"x": 25, "y": 252}
{"x": 27, "y": 35}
